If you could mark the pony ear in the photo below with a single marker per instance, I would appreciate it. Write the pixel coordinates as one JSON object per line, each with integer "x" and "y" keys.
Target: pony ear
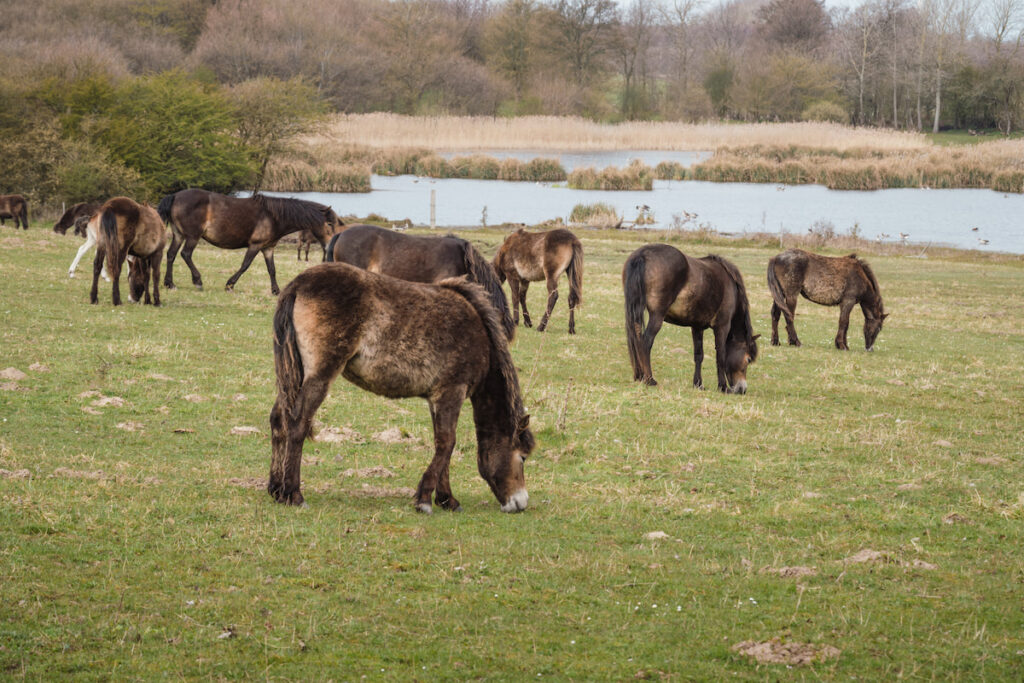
{"x": 755, "y": 337}
{"x": 884, "y": 316}
{"x": 524, "y": 422}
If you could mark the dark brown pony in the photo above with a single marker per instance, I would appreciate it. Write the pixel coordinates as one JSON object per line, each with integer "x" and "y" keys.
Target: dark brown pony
{"x": 14, "y": 206}
{"x": 254, "y": 223}
{"x": 399, "y": 339}
{"x": 697, "y": 293}
{"x": 526, "y": 257}
{"x": 71, "y": 218}
{"x": 332, "y": 226}
{"x": 419, "y": 258}
{"x": 127, "y": 229}
{"x": 843, "y": 281}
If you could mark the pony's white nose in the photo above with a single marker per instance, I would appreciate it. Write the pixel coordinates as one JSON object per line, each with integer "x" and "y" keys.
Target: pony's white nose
{"x": 517, "y": 502}
{"x": 739, "y": 388}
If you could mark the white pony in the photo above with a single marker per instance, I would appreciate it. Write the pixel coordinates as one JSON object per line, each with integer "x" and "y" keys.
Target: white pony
{"x": 91, "y": 231}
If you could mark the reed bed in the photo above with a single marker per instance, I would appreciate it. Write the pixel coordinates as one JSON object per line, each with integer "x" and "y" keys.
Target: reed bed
{"x": 598, "y": 215}
{"x": 636, "y": 176}
{"x": 299, "y": 175}
{"x": 577, "y": 134}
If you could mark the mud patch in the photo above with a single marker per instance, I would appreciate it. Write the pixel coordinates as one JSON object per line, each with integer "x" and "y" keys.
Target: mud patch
{"x": 942, "y": 443}
{"x": 868, "y": 555}
{"x": 656, "y": 535}
{"x": 811, "y": 494}
{"x": 245, "y": 431}
{"x": 395, "y": 435}
{"x": 775, "y": 651}
{"x": 368, "y": 491}
{"x": 343, "y": 435}
{"x": 15, "y": 474}
{"x": 12, "y": 373}
{"x": 238, "y": 398}
{"x": 364, "y": 472}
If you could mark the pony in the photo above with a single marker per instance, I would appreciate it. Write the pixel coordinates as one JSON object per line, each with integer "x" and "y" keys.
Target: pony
{"x": 526, "y": 257}
{"x": 399, "y": 339}
{"x": 830, "y": 281}
{"x": 332, "y": 226}
{"x": 419, "y": 258}
{"x": 14, "y": 206}
{"x": 84, "y": 225}
{"x": 697, "y": 293}
{"x": 128, "y": 229}
{"x": 71, "y": 218}
{"x": 254, "y": 223}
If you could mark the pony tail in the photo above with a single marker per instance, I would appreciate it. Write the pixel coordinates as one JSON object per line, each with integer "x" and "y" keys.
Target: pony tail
{"x": 24, "y": 215}
{"x": 485, "y": 275}
{"x": 164, "y": 207}
{"x": 330, "y": 247}
{"x": 287, "y": 360}
{"x": 775, "y": 287}
{"x": 635, "y": 294}
{"x": 108, "y": 229}
{"x": 575, "y": 273}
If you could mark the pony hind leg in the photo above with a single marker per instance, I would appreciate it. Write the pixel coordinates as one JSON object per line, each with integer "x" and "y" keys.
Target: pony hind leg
{"x": 444, "y": 413}
{"x": 172, "y": 252}
{"x": 844, "y": 324}
{"x": 524, "y": 285}
{"x": 790, "y": 326}
{"x": 250, "y": 254}
{"x": 289, "y": 426}
{"x": 654, "y": 322}
{"x": 186, "y": 256}
{"x": 698, "y": 356}
{"x": 552, "y": 298}
{"x": 268, "y": 258}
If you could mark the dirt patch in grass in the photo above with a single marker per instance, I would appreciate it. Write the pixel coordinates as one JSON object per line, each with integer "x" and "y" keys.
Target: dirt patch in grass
{"x": 876, "y": 556}
{"x": 12, "y": 386}
{"x": 996, "y": 460}
{"x": 193, "y": 398}
{"x": 395, "y": 435}
{"x": 131, "y": 426}
{"x": 954, "y": 518}
{"x": 244, "y": 430}
{"x": 790, "y": 572}
{"x": 336, "y": 435}
{"x": 38, "y": 367}
{"x": 15, "y": 474}
{"x": 12, "y": 373}
{"x": 775, "y": 651}
{"x": 248, "y": 482}
{"x": 364, "y": 472}
{"x": 97, "y": 475}
{"x": 368, "y": 491}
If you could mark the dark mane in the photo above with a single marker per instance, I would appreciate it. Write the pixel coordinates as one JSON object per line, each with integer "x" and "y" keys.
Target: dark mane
{"x": 501, "y": 359}
{"x": 293, "y": 213}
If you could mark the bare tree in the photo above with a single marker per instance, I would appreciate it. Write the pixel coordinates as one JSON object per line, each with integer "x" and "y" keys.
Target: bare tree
{"x": 633, "y": 48}
{"x": 585, "y": 30}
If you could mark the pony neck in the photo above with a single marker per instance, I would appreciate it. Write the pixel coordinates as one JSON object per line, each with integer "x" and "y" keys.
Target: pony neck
{"x": 494, "y": 418}
{"x": 871, "y": 303}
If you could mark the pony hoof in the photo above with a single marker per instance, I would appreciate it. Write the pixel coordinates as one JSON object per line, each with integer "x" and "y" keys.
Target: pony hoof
{"x": 199, "y": 286}
{"x": 71, "y": 273}
{"x": 425, "y": 508}
{"x": 775, "y": 342}
{"x": 169, "y": 285}
{"x": 650, "y": 381}
{"x": 795, "y": 343}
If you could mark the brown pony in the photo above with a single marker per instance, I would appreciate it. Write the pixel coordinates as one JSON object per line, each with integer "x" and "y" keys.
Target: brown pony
{"x": 332, "y": 226}
{"x": 419, "y": 258}
{"x": 697, "y": 293}
{"x": 71, "y": 218}
{"x": 844, "y": 281}
{"x": 14, "y": 206}
{"x": 127, "y": 229}
{"x": 399, "y": 339}
{"x": 526, "y": 257}
{"x": 255, "y": 223}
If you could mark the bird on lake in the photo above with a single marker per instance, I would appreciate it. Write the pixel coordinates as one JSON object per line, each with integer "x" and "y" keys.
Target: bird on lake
{"x": 904, "y": 236}
{"x": 974, "y": 230}
{"x": 982, "y": 242}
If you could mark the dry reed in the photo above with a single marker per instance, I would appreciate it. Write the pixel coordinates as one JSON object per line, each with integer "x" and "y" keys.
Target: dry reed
{"x": 636, "y": 176}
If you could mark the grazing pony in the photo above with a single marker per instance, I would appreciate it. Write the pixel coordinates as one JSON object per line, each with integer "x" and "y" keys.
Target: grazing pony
{"x": 399, "y": 339}
{"x": 71, "y": 218}
{"x": 254, "y": 223}
{"x": 526, "y": 257}
{"x": 844, "y": 281}
{"x": 697, "y": 293}
{"x": 419, "y": 258}
{"x": 14, "y": 206}
{"x": 332, "y": 226}
{"x": 127, "y": 229}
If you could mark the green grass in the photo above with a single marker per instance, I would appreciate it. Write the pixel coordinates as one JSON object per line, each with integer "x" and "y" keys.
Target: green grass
{"x": 950, "y": 138}
{"x": 141, "y": 554}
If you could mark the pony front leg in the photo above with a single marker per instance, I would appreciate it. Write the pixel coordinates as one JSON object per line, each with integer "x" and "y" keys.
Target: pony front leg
{"x": 268, "y": 258}
{"x": 721, "y": 334}
{"x": 523, "y": 286}
{"x": 250, "y": 254}
{"x": 90, "y": 242}
{"x": 172, "y": 252}
{"x": 844, "y": 324}
{"x": 552, "y": 298}
{"x": 790, "y": 326}
{"x": 513, "y": 285}
{"x": 698, "y": 356}
{"x": 444, "y": 413}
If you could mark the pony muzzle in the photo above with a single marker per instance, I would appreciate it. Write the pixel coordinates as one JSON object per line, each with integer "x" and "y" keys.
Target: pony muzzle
{"x": 517, "y": 502}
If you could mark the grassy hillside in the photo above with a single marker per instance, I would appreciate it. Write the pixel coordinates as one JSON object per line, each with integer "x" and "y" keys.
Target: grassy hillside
{"x": 865, "y": 510}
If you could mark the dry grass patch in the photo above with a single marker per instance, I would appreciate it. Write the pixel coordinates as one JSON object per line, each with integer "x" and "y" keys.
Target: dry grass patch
{"x": 776, "y": 651}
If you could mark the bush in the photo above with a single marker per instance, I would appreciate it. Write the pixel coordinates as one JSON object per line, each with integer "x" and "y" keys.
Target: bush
{"x": 599, "y": 215}
{"x": 826, "y": 111}
{"x": 670, "y": 170}
{"x": 636, "y": 176}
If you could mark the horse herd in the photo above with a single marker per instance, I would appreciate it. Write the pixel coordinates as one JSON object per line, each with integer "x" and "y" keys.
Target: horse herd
{"x": 426, "y": 316}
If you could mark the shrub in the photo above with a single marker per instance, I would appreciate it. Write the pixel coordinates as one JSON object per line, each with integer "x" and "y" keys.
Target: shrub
{"x": 670, "y": 170}
{"x": 825, "y": 111}
{"x": 599, "y": 215}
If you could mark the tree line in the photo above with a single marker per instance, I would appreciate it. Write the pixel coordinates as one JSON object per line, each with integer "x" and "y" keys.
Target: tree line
{"x": 121, "y": 92}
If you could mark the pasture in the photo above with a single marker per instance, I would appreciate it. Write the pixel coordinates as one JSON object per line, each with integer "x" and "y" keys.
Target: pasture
{"x": 863, "y": 511}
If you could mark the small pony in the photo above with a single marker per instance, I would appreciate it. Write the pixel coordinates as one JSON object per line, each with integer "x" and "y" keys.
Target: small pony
{"x": 844, "y": 281}
{"x": 399, "y": 339}
{"x": 332, "y": 226}
{"x": 71, "y": 218}
{"x": 526, "y": 257}
{"x": 125, "y": 228}
{"x": 419, "y": 258}
{"x": 14, "y": 206}
{"x": 697, "y": 293}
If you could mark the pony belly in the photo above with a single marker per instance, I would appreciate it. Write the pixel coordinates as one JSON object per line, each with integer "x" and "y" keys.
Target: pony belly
{"x": 390, "y": 377}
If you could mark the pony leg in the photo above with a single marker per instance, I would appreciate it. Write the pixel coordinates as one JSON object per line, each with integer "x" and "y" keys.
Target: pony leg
{"x": 552, "y": 298}
{"x": 289, "y": 427}
{"x": 89, "y": 243}
{"x": 776, "y": 314}
{"x": 790, "y": 327}
{"x": 513, "y": 284}
{"x": 115, "y": 282}
{"x": 654, "y": 322}
{"x": 444, "y": 413}
{"x": 186, "y": 256}
{"x": 523, "y": 286}
{"x": 268, "y": 258}
{"x": 250, "y": 254}
{"x": 97, "y": 266}
{"x": 721, "y": 334}
{"x": 154, "y": 265}
{"x": 172, "y": 252}
{"x": 844, "y": 324}
{"x": 572, "y": 320}
{"x": 698, "y": 356}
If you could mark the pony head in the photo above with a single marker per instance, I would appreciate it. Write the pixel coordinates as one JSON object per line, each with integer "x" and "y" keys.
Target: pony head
{"x": 501, "y": 462}
{"x": 138, "y": 274}
{"x": 872, "y": 326}
{"x": 739, "y": 353}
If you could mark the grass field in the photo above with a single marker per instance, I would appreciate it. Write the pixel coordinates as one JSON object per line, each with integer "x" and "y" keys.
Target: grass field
{"x": 863, "y": 511}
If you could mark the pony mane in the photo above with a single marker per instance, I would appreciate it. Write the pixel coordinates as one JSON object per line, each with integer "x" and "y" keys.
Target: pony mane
{"x": 297, "y": 213}
{"x": 742, "y": 315}
{"x": 873, "y": 281}
{"x": 501, "y": 359}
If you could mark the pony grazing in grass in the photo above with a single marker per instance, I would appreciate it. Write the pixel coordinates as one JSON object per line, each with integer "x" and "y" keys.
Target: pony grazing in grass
{"x": 71, "y": 218}
{"x": 126, "y": 229}
{"x": 843, "y": 281}
{"x": 419, "y": 258}
{"x": 399, "y": 339}
{"x": 697, "y": 293}
{"x": 254, "y": 223}
{"x": 14, "y": 206}
{"x": 526, "y": 257}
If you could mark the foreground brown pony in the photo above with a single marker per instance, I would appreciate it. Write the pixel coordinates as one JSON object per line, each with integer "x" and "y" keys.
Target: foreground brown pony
{"x": 14, "y": 206}
{"x": 398, "y": 339}
{"x": 128, "y": 229}
{"x": 71, "y": 218}
{"x": 419, "y": 258}
{"x": 255, "y": 223}
{"x": 332, "y": 226}
{"x": 697, "y": 293}
{"x": 843, "y": 281}
{"x": 527, "y": 257}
